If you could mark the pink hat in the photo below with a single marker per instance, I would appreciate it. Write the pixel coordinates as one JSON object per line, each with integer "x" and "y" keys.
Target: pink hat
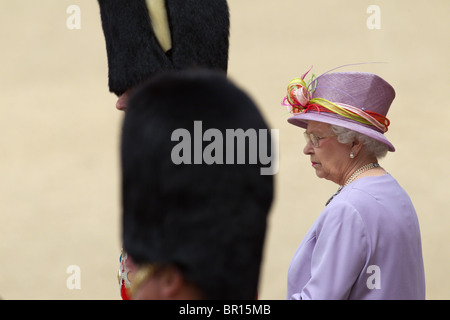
{"x": 357, "y": 101}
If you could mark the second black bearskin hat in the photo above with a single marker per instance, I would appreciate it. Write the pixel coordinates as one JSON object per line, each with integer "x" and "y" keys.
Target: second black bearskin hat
{"x": 199, "y": 36}
{"x": 207, "y": 219}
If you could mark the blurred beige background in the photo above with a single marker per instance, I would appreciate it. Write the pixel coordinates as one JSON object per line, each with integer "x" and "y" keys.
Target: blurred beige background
{"x": 59, "y": 169}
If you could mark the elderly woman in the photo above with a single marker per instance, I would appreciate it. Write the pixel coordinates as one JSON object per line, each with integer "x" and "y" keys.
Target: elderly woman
{"x": 366, "y": 242}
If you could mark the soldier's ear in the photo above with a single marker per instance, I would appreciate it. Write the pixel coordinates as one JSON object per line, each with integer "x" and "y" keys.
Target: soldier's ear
{"x": 174, "y": 286}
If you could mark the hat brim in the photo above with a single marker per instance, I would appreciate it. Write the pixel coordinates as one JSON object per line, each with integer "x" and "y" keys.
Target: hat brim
{"x": 301, "y": 120}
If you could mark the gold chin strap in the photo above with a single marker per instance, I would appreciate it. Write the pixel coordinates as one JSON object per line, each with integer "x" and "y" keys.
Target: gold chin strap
{"x": 142, "y": 275}
{"x": 160, "y": 23}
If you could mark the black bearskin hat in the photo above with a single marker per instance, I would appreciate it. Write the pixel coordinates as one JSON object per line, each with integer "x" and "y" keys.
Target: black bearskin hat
{"x": 199, "y": 32}
{"x": 208, "y": 219}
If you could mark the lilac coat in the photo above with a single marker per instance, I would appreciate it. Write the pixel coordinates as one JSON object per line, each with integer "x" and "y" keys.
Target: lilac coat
{"x": 364, "y": 245}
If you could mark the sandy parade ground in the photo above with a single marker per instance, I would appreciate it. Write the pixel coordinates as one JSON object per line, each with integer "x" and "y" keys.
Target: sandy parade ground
{"x": 59, "y": 159}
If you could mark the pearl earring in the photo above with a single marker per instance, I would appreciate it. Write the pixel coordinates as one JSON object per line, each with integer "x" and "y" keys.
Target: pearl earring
{"x": 352, "y": 155}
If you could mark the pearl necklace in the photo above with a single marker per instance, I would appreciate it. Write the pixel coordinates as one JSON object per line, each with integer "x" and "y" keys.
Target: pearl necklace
{"x": 353, "y": 177}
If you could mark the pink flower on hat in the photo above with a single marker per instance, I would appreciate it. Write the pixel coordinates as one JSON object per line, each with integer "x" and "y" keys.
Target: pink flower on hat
{"x": 302, "y": 95}
{"x": 298, "y": 96}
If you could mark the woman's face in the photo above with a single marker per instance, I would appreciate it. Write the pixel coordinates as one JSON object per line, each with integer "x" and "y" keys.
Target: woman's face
{"x": 330, "y": 158}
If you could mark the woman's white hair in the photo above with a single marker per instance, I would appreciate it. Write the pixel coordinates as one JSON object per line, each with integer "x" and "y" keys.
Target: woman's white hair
{"x": 375, "y": 147}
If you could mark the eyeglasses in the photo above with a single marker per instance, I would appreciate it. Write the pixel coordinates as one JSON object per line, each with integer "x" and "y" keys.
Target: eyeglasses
{"x": 314, "y": 139}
